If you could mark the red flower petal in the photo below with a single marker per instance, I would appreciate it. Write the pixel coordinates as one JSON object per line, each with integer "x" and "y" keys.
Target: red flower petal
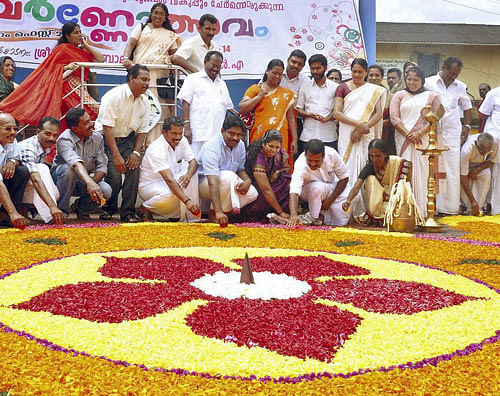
{"x": 175, "y": 269}
{"x": 388, "y": 296}
{"x": 304, "y": 267}
{"x": 111, "y": 302}
{"x": 278, "y": 325}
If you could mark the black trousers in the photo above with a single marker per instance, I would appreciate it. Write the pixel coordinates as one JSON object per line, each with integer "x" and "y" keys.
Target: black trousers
{"x": 16, "y": 186}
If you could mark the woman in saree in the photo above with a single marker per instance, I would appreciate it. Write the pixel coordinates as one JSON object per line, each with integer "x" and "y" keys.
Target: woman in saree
{"x": 46, "y": 91}
{"x": 273, "y": 107}
{"x": 268, "y": 168}
{"x": 7, "y": 69}
{"x": 154, "y": 43}
{"x": 412, "y": 130}
{"x": 375, "y": 182}
{"x": 358, "y": 107}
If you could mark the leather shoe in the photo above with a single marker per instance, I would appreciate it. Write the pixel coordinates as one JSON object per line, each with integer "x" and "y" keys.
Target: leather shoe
{"x": 144, "y": 214}
{"x": 130, "y": 218}
{"x": 105, "y": 216}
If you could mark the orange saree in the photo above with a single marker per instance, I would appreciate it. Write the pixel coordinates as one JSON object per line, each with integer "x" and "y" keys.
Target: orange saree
{"x": 270, "y": 113}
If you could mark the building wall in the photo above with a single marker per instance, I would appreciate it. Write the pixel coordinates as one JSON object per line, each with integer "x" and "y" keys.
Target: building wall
{"x": 480, "y": 62}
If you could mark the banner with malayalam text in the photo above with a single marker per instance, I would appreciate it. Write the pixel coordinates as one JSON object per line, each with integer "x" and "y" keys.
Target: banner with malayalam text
{"x": 250, "y": 33}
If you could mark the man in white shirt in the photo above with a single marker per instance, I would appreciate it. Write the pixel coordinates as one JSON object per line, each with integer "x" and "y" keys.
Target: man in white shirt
{"x": 292, "y": 78}
{"x": 489, "y": 113}
{"x": 454, "y": 98}
{"x": 477, "y": 156}
{"x": 205, "y": 100}
{"x": 124, "y": 121}
{"x": 41, "y": 190}
{"x": 13, "y": 175}
{"x": 191, "y": 53}
{"x": 320, "y": 178}
{"x": 315, "y": 104}
{"x": 223, "y": 179}
{"x": 165, "y": 188}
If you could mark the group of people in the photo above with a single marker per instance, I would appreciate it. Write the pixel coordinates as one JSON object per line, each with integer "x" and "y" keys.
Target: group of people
{"x": 334, "y": 147}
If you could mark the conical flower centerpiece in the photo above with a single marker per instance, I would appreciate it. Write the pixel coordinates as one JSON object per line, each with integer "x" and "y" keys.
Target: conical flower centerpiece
{"x": 246, "y": 272}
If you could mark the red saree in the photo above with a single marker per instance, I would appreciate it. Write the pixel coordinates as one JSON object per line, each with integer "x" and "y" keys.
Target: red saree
{"x": 41, "y": 93}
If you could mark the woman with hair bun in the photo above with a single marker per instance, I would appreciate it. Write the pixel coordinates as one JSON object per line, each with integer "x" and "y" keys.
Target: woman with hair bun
{"x": 358, "y": 108}
{"x": 267, "y": 166}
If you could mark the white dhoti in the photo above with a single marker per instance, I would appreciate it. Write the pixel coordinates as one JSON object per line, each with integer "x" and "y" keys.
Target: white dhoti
{"x": 315, "y": 193}
{"x": 479, "y": 187}
{"x": 494, "y": 196}
{"x": 230, "y": 199}
{"x": 196, "y": 147}
{"x": 159, "y": 199}
{"x": 31, "y": 196}
{"x": 448, "y": 201}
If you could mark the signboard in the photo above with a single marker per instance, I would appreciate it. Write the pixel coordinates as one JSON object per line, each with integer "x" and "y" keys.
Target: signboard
{"x": 250, "y": 33}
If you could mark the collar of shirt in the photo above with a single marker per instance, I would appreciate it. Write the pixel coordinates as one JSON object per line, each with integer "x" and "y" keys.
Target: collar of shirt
{"x": 203, "y": 44}
{"x": 129, "y": 93}
{"x": 205, "y": 75}
{"x": 39, "y": 149}
{"x": 324, "y": 85}
{"x": 285, "y": 76}
{"x": 441, "y": 81}
{"x": 74, "y": 137}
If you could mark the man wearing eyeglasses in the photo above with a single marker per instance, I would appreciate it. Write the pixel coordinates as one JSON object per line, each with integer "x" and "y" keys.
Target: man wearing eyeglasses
{"x": 13, "y": 175}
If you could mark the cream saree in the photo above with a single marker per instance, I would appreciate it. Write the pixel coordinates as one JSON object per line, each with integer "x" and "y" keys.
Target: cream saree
{"x": 154, "y": 46}
{"x": 405, "y": 109}
{"x": 376, "y": 192}
{"x": 358, "y": 105}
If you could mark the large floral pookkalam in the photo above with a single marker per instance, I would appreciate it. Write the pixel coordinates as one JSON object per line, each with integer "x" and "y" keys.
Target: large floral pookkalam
{"x": 147, "y": 308}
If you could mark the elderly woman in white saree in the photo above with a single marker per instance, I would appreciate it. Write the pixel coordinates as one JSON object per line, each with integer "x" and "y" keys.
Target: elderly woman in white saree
{"x": 154, "y": 43}
{"x": 412, "y": 130}
{"x": 358, "y": 108}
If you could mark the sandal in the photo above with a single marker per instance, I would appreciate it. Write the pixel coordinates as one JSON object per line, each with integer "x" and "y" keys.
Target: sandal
{"x": 145, "y": 214}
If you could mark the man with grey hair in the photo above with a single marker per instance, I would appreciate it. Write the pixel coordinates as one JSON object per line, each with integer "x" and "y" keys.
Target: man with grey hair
{"x": 477, "y": 156}
{"x": 454, "y": 98}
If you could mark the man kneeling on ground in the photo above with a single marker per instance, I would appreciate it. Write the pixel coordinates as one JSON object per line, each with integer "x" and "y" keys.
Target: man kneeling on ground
{"x": 319, "y": 178}
{"x": 222, "y": 171}
{"x": 166, "y": 188}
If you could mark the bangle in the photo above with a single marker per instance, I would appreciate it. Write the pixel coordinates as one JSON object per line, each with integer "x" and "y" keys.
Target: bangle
{"x": 467, "y": 126}
{"x": 186, "y": 201}
{"x": 13, "y": 161}
{"x": 186, "y": 122}
{"x": 126, "y": 58}
{"x": 137, "y": 153}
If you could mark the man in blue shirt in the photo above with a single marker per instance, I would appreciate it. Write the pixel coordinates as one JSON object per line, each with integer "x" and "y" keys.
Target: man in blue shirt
{"x": 13, "y": 175}
{"x": 221, "y": 168}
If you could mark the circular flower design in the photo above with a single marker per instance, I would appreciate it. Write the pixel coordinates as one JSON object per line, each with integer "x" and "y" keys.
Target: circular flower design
{"x": 139, "y": 307}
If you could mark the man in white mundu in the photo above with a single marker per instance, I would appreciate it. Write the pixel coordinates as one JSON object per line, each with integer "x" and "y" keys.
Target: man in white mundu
{"x": 454, "y": 98}
{"x": 165, "y": 188}
{"x": 477, "y": 156}
{"x": 41, "y": 190}
{"x": 223, "y": 179}
{"x": 359, "y": 110}
{"x": 490, "y": 112}
{"x": 205, "y": 100}
{"x": 320, "y": 178}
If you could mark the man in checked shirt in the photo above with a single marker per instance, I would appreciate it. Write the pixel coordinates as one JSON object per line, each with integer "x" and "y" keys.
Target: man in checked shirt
{"x": 41, "y": 190}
